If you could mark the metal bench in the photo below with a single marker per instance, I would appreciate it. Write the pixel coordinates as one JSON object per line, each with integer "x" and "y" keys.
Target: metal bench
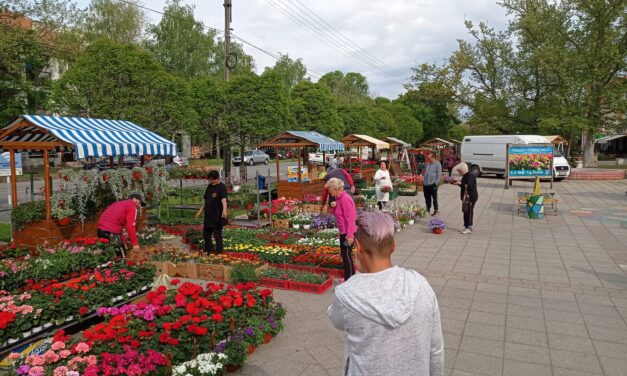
{"x": 522, "y": 198}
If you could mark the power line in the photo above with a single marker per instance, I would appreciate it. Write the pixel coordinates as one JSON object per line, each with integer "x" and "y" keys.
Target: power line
{"x": 341, "y": 46}
{"x": 343, "y": 37}
{"x": 312, "y": 73}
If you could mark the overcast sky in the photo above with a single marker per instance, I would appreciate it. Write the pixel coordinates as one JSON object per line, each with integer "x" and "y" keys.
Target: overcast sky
{"x": 394, "y": 34}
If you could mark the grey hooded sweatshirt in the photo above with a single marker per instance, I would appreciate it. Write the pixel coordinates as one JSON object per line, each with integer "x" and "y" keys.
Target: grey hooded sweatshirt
{"x": 392, "y": 324}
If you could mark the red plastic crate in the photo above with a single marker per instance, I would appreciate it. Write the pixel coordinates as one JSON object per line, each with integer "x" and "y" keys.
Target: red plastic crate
{"x": 275, "y": 283}
{"x": 331, "y": 272}
{"x": 311, "y": 288}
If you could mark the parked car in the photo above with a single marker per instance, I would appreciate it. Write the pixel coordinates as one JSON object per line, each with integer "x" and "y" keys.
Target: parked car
{"x": 272, "y": 154}
{"x": 251, "y": 157}
{"x": 317, "y": 158}
{"x": 103, "y": 163}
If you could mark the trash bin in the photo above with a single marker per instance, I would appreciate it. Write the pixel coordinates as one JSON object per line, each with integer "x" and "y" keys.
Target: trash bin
{"x": 261, "y": 182}
{"x": 535, "y": 207}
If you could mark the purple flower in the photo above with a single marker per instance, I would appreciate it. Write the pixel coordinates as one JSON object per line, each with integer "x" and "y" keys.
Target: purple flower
{"x": 249, "y": 332}
{"x": 23, "y": 369}
{"x": 220, "y": 347}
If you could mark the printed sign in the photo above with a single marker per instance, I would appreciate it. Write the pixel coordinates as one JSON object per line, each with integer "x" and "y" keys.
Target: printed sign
{"x": 5, "y": 164}
{"x": 530, "y": 160}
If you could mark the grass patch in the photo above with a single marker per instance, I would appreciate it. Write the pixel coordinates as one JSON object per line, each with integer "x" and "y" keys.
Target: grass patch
{"x": 613, "y": 167}
{"x": 205, "y": 162}
{"x": 5, "y": 232}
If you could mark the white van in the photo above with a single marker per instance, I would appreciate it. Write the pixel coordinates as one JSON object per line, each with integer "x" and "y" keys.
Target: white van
{"x": 486, "y": 154}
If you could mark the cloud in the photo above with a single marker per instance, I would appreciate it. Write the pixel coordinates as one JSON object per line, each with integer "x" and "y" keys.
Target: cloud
{"x": 400, "y": 33}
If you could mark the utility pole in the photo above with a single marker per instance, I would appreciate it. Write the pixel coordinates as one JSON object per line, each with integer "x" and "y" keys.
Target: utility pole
{"x": 227, "y": 40}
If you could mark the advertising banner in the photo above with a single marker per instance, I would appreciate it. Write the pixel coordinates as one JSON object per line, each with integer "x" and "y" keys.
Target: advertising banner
{"x": 528, "y": 161}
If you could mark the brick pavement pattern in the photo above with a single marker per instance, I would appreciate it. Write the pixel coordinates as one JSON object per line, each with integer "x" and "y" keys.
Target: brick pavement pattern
{"x": 517, "y": 297}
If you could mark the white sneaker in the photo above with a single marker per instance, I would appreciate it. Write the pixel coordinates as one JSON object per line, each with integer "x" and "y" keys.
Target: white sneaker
{"x": 467, "y": 231}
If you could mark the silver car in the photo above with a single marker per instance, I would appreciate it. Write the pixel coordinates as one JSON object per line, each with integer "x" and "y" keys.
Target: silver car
{"x": 251, "y": 157}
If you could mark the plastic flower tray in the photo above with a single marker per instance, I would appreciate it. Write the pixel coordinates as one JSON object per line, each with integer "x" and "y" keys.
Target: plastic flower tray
{"x": 275, "y": 283}
{"x": 310, "y": 287}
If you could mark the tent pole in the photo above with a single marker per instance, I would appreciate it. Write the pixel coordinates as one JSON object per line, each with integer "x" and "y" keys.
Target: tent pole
{"x": 13, "y": 179}
{"x": 278, "y": 170}
{"x": 47, "y": 183}
{"x": 299, "y": 174}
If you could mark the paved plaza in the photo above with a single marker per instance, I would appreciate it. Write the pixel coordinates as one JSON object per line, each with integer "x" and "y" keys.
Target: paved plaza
{"x": 517, "y": 297}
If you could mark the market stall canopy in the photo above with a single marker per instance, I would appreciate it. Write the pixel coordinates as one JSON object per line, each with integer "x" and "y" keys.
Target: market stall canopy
{"x": 396, "y": 141}
{"x": 606, "y": 139}
{"x": 303, "y": 138}
{"x": 89, "y": 137}
{"x": 556, "y": 140}
{"x": 356, "y": 140}
{"x": 438, "y": 142}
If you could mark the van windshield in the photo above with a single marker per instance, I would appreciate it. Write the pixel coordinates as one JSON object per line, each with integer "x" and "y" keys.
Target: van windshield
{"x": 557, "y": 153}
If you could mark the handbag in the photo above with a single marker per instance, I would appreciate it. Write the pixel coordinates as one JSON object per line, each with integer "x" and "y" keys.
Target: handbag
{"x": 466, "y": 200}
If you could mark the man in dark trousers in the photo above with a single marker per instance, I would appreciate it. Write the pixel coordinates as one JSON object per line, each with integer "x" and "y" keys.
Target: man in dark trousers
{"x": 120, "y": 215}
{"x": 215, "y": 208}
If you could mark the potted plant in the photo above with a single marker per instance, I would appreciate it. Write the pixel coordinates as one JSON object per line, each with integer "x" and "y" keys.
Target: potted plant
{"x": 437, "y": 225}
{"x": 360, "y": 201}
{"x": 63, "y": 214}
{"x": 236, "y": 352}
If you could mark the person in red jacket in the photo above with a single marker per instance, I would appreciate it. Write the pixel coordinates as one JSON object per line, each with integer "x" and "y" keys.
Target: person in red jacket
{"x": 120, "y": 215}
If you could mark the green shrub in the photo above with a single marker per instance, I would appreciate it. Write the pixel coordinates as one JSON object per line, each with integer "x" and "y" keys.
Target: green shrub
{"x": 244, "y": 272}
{"x": 28, "y": 212}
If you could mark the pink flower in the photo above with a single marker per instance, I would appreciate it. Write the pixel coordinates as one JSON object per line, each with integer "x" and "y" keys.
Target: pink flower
{"x": 35, "y": 360}
{"x": 92, "y": 360}
{"x": 58, "y": 346}
{"x": 60, "y": 371}
{"x": 65, "y": 353}
{"x": 73, "y": 373}
{"x": 36, "y": 371}
{"x": 14, "y": 356}
{"x": 51, "y": 357}
{"x": 82, "y": 348}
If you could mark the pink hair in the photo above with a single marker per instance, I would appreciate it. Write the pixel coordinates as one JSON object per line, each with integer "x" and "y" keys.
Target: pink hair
{"x": 378, "y": 226}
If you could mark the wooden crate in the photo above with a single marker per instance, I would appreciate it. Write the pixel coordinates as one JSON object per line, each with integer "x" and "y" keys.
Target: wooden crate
{"x": 182, "y": 270}
{"x": 281, "y": 223}
{"x": 213, "y": 272}
{"x": 311, "y": 208}
{"x": 298, "y": 190}
{"x": 161, "y": 266}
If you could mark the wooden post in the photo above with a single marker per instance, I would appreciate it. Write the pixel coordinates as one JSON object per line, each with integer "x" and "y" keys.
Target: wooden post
{"x": 47, "y": 183}
{"x": 278, "y": 169}
{"x": 299, "y": 175}
{"x": 111, "y": 162}
{"x": 13, "y": 179}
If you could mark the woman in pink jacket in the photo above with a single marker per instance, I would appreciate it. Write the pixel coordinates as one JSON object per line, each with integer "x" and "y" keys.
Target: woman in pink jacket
{"x": 345, "y": 217}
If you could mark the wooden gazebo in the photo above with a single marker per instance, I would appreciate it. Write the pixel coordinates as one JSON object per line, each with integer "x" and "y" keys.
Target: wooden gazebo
{"x": 84, "y": 137}
{"x": 300, "y": 140}
{"x": 360, "y": 141}
{"x": 396, "y": 144}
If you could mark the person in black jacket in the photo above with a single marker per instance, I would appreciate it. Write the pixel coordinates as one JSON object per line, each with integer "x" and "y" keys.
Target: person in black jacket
{"x": 467, "y": 184}
{"x": 216, "y": 212}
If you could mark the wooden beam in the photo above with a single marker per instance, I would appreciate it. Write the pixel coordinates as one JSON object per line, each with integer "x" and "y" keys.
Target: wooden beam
{"x": 290, "y": 145}
{"x": 13, "y": 179}
{"x": 12, "y": 129}
{"x": 299, "y": 175}
{"x": 28, "y": 145}
{"x": 47, "y": 183}
{"x": 278, "y": 170}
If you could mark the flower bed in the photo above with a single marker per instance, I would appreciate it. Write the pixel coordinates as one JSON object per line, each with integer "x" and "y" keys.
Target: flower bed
{"x": 54, "y": 263}
{"x": 46, "y": 305}
{"x": 13, "y": 251}
{"x": 167, "y": 331}
{"x": 296, "y": 280}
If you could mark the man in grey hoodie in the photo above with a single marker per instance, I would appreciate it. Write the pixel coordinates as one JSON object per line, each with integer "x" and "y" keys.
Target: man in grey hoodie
{"x": 390, "y": 314}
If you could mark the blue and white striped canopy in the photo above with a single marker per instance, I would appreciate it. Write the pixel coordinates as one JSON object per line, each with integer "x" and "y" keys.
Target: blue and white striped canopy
{"x": 93, "y": 137}
{"x": 324, "y": 143}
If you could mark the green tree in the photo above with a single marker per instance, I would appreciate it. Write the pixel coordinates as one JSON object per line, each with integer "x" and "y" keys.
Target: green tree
{"x": 409, "y": 129}
{"x": 351, "y": 88}
{"x": 434, "y": 113}
{"x": 122, "y": 81}
{"x": 291, "y": 71}
{"x": 314, "y": 109}
{"x": 181, "y": 44}
{"x": 121, "y": 22}
{"x": 357, "y": 119}
{"x": 257, "y": 108}
{"x": 209, "y": 103}
{"x": 23, "y": 88}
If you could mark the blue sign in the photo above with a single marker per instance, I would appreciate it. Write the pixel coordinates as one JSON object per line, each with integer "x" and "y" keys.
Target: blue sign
{"x": 5, "y": 164}
{"x": 530, "y": 161}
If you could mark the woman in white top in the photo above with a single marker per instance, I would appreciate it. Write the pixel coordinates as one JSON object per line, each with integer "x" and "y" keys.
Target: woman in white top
{"x": 382, "y": 179}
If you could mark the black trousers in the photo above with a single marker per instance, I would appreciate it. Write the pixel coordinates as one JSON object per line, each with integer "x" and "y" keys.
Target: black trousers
{"x": 450, "y": 171}
{"x": 216, "y": 233}
{"x": 431, "y": 194}
{"x": 115, "y": 239}
{"x": 468, "y": 216}
{"x": 347, "y": 258}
